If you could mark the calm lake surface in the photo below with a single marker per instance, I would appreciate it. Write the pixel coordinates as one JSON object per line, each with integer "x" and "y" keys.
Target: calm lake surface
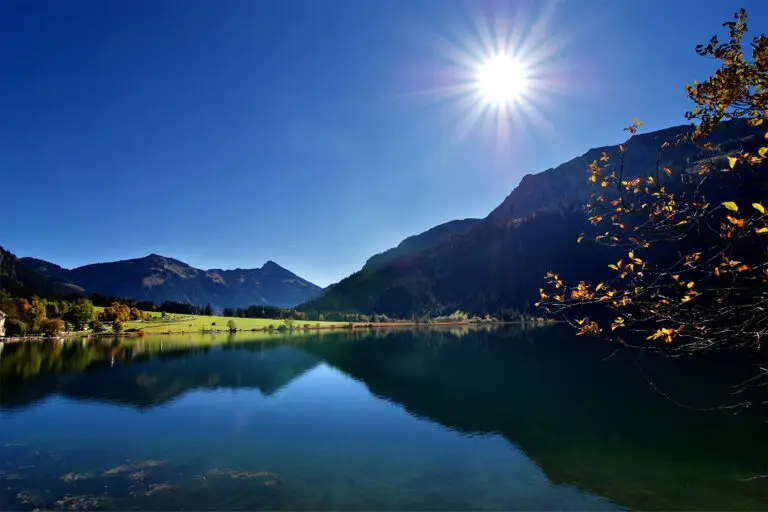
{"x": 499, "y": 419}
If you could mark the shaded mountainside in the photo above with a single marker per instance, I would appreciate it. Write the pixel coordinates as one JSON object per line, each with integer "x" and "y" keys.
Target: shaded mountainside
{"x": 422, "y": 242}
{"x": 497, "y": 264}
{"x": 20, "y": 279}
{"x": 158, "y": 279}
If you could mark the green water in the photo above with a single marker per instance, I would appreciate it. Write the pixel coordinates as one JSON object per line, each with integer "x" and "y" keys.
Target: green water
{"x": 502, "y": 419}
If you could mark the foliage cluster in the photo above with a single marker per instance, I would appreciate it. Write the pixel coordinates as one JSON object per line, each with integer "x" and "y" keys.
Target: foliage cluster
{"x": 42, "y": 316}
{"x": 693, "y": 265}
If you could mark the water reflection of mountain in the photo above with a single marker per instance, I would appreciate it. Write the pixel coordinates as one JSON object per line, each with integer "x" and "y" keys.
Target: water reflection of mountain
{"x": 113, "y": 373}
{"x": 583, "y": 413}
{"x": 586, "y": 421}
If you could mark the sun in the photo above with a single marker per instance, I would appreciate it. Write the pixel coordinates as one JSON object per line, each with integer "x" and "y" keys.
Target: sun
{"x": 502, "y": 80}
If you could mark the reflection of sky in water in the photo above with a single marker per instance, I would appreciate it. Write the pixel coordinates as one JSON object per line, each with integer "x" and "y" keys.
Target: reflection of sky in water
{"x": 224, "y": 415}
{"x": 332, "y": 443}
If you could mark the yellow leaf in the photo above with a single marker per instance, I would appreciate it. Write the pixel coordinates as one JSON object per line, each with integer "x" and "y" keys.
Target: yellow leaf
{"x": 731, "y": 206}
{"x": 614, "y": 267}
{"x": 581, "y": 237}
{"x": 598, "y": 287}
{"x": 689, "y": 285}
{"x": 676, "y": 276}
{"x": 759, "y": 207}
{"x": 762, "y": 151}
{"x": 761, "y": 231}
{"x": 732, "y": 161}
{"x": 668, "y": 171}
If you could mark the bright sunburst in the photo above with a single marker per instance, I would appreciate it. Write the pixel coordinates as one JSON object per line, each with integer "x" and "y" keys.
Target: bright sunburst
{"x": 501, "y": 80}
{"x": 503, "y": 70}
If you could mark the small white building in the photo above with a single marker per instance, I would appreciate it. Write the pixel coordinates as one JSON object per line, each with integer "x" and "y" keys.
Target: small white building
{"x": 2, "y": 324}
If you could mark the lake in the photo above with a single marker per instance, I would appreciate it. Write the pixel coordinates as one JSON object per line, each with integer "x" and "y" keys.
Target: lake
{"x": 428, "y": 419}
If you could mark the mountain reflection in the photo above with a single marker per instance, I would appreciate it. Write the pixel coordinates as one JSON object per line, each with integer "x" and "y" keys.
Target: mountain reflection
{"x": 585, "y": 413}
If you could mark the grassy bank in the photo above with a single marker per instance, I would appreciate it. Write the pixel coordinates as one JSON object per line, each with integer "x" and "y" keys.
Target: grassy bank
{"x": 197, "y": 323}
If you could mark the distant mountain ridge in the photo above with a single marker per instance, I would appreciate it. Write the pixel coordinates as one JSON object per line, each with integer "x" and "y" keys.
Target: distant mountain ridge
{"x": 158, "y": 278}
{"x": 496, "y": 264}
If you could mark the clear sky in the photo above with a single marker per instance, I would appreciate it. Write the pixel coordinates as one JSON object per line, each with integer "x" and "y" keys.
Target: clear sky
{"x": 314, "y": 133}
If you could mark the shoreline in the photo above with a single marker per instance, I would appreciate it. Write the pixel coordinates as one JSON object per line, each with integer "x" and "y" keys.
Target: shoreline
{"x": 72, "y": 336}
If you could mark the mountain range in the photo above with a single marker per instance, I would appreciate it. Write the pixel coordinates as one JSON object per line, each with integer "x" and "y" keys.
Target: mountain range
{"x": 158, "y": 278}
{"x": 497, "y": 264}
{"x": 492, "y": 265}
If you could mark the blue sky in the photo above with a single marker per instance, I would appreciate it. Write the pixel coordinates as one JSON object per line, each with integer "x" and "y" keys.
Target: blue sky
{"x": 313, "y": 133}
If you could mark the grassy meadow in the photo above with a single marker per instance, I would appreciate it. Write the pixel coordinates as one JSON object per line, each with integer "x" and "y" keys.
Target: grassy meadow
{"x": 197, "y": 323}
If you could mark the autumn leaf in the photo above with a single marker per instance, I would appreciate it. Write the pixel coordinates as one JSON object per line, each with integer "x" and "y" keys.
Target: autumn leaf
{"x": 581, "y": 237}
{"x": 668, "y": 171}
{"x": 759, "y": 207}
{"x": 662, "y": 333}
{"x": 761, "y": 231}
{"x": 762, "y": 151}
{"x": 735, "y": 221}
{"x": 598, "y": 287}
{"x": 731, "y": 206}
{"x": 689, "y": 285}
{"x": 732, "y": 161}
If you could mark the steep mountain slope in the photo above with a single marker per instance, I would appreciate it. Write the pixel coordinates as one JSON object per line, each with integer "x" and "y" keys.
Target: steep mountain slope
{"x": 423, "y": 241}
{"x": 20, "y": 279}
{"x": 158, "y": 278}
{"x": 498, "y": 263}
